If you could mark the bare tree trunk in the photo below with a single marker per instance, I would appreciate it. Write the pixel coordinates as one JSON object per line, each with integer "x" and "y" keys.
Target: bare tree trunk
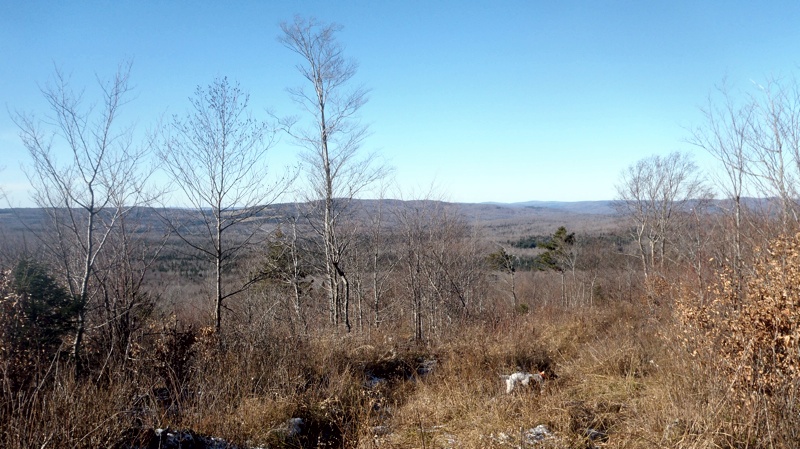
{"x": 360, "y": 304}
{"x": 346, "y": 305}
{"x": 653, "y": 255}
{"x": 217, "y": 158}
{"x": 88, "y": 264}
{"x": 218, "y": 298}
{"x": 514, "y": 289}
{"x": 376, "y": 297}
{"x": 329, "y": 236}
{"x": 296, "y": 278}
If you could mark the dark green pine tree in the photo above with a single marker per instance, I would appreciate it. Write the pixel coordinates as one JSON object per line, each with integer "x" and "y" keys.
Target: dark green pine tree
{"x": 46, "y": 310}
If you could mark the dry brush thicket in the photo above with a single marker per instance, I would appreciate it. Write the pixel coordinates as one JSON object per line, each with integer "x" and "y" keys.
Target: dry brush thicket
{"x": 748, "y": 337}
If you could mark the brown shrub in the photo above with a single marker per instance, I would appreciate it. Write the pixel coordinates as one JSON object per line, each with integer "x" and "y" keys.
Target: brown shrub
{"x": 752, "y": 337}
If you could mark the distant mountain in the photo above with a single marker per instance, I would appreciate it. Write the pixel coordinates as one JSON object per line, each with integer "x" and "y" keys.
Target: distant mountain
{"x": 12, "y": 219}
{"x": 576, "y": 207}
{"x": 497, "y": 221}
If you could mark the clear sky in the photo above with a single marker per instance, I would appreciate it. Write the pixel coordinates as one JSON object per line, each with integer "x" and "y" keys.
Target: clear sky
{"x": 488, "y": 101}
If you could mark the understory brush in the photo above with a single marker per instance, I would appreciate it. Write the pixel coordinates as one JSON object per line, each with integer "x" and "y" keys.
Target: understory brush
{"x": 614, "y": 376}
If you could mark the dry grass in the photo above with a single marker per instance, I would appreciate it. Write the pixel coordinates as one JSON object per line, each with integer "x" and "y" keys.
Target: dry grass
{"x": 613, "y": 369}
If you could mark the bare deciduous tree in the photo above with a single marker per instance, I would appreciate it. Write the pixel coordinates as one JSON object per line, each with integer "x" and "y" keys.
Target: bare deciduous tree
{"x": 725, "y": 134}
{"x": 372, "y": 261}
{"x": 216, "y": 156}
{"x": 442, "y": 263}
{"x": 413, "y": 224}
{"x": 86, "y": 176}
{"x": 651, "y": 194}
{"x": 336, "y": 170}
{"x": 775, "y": 141}
{"x": 757, "y": 141}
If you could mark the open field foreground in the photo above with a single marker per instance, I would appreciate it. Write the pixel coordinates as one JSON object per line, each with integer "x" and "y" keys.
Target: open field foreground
{"x": 614, "y": 379}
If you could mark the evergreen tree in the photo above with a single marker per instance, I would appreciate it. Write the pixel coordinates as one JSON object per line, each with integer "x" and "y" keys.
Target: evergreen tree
{"x": 36, "y": 314}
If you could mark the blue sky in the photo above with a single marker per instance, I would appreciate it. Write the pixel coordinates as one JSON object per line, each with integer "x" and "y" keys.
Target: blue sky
{"x": 487, "y": 101}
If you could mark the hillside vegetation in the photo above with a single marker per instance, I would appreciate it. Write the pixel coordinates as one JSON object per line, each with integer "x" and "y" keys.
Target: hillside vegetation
{"x": 628, "y": 363}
